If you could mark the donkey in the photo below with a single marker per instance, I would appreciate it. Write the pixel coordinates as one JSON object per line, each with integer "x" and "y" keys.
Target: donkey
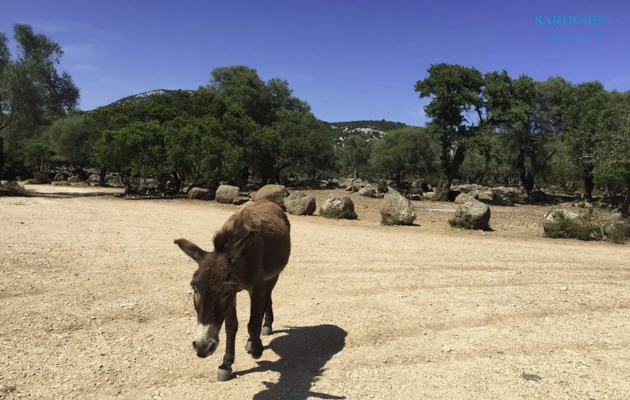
{"x": 250, "y": 251}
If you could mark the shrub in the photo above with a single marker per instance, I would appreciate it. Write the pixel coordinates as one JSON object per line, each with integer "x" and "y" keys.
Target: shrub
{"x": 580, "y": 228}
{"x": 619, "y": 232}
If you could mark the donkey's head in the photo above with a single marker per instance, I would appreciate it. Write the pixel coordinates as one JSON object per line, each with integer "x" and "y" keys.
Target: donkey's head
{"x": 214, "y": 286}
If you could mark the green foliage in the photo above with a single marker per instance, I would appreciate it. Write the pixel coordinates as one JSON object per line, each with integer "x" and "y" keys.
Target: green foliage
{"x": 619, "y": 232}
{"x": 36, "y": 153}
{"x": 457, "y": 110}
{"x": 32, "y": 92}
{"x": 565, "y": 228}
{"x": 404, "y": 151}
{"x": 73, "y": 138}
{"x": 613, "y": 175}
{"x": 355, "y": 153}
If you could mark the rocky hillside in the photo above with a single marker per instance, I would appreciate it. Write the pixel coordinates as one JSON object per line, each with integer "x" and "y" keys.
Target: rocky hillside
{"x": 144, "y": 97}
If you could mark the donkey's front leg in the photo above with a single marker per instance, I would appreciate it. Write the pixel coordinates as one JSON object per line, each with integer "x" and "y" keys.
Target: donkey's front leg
{"x": 257, "y": 297}
{"x": 231, "y": 327}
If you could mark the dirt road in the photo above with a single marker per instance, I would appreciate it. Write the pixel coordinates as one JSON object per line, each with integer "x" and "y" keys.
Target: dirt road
{"x": 95, "y": 303}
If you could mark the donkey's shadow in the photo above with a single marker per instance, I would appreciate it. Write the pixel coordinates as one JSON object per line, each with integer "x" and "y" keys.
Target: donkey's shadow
{"x": 303, "y": 353}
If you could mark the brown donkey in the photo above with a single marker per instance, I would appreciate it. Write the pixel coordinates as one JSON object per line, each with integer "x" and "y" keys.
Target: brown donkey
{"x": 250, "y": 251}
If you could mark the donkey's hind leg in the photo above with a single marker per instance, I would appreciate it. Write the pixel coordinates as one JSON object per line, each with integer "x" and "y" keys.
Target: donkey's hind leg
{"x": 267, "y": 325}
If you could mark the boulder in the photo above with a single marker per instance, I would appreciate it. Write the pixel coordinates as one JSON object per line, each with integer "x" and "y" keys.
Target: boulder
{"x": 226, "y": 194}
{"x": 467, "y": 188}
{"x": 367, "y": 191}
{"x": 274, "y": 193}
{"x": 59, "y": 177}
{"x": 94, "y": 178}
{"x": 299, "y": 203}
{"x": 240, "y": 200}
{"x": 41, "y": 177}
{"x": 506, "y": 195}
{"x": 471, "y": 214}
{"x": 554, "y": 215}
{"x": 113, "y": 180}
{"x": 463, "y": 197}
{"x": 338, "y": 207}
{"x": 484, "y": 196}
{"x": 429, "y": 195}
{"x": 198, "y": 193}
{"x": 74, "y": 179}
{"x": 396, "y": 210}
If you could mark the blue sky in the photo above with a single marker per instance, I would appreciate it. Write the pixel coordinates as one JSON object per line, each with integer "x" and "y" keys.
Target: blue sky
{"x": 350, "y": 60}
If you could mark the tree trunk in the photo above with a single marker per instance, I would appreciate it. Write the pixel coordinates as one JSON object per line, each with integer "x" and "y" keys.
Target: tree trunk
{"x": 587, "y": 175}
{"x": 526, "y": 177}
{"x": 450, "y": 168}
{"x": 625, "y": 206}
{"x": 1, "y": 154}
{"x": 101, "y": 175}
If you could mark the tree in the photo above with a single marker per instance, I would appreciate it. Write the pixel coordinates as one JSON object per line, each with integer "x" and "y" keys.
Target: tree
{"x": 457, "y": 111}
{"x": 613, "y": 154}
{"x": 404, "y": 151}
{"x": 531, "y": 113}
{"x": 585, "y": 110}
{"x": 73, "y": 138}
{"x": 356, "y": 152}
{"x": 32, "y": 92}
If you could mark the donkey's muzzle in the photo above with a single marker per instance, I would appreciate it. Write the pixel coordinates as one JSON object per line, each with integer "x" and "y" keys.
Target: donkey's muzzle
{"x": 205, "y": 349}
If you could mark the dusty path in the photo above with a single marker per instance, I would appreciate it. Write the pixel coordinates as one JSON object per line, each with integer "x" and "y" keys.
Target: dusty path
{"x": 95, "y": 303}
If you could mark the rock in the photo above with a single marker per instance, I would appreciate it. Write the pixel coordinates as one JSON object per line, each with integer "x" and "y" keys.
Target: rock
{"x": 81, "y": 183}
{"x": 226, "y": 194}
{"x": 299, "y": 203}
{"x": 12, "y": 185}
{"x": 32, "y": 182}
{"x": 60, "y": 183}
{"x": 429, "y": 195}
{"x": 198, "y": 193}
{"x": 250, "y": 187}
{"x": 338, "y": 207}
{"x": 584, "y": 204}
{"x": 471, "y": 214}
{"x": 553, "y": 215}
{"x": 41, "y": 177}
{"x": 396, "y": 210}
{"x": 61, "y": 176}
{"x": 462, "y": 198}
{"x": 511, "y": 194}
{"x": 240, "y": 200}
{"x": 94, "y": 178}
{"x": 274, "y": 193}
{"x": 113, "y": 180}
{"x": 367, "y": 191}
{"x": 467, "y": 188}
{"x": 484, "y": 196}
{"x": 74, "y": 179}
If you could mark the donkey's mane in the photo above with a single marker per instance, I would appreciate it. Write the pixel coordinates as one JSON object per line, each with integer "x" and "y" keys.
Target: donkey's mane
{"x": 230, "y": 233}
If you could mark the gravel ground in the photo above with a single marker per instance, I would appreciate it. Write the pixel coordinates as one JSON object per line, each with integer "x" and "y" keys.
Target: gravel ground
{"x": 95, "y": 303}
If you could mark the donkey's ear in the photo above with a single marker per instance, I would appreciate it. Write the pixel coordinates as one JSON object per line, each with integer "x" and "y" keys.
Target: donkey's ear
{"x": 193, "y": 251}
{"x": 242, "y": 246}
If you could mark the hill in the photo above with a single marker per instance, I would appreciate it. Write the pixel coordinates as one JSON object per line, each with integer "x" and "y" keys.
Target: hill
{"x": 144, "y": 97}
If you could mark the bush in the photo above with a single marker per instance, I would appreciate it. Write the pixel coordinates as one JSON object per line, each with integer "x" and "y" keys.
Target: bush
{"x": 580, "y": 228}
{"x": 619, "y": 232}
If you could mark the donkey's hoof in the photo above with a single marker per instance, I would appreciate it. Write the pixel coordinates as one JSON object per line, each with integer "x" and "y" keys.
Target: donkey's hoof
{"x": 266, "y": 331}
{"x": 249, "y": 348}
{"x": 224, "y": 374}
